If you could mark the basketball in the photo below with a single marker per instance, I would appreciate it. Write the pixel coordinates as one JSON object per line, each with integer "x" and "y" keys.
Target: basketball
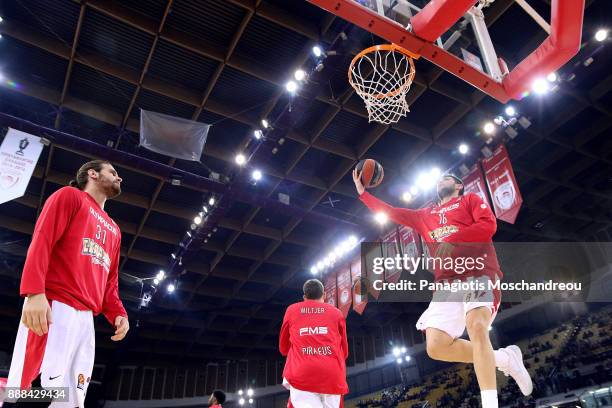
{"x": 372, "y": 173}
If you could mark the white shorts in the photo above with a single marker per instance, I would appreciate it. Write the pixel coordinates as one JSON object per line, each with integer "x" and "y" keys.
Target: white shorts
{"x": 305, "y": 399}
{"x": 447, "y": 311}
{"x": 64, "y": 357}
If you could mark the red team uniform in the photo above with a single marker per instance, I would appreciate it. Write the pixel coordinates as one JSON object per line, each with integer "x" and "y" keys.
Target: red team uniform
{"x": 313, "y": 337}
{"x": 463, "y": 220}
{"x": 73, "y": 259}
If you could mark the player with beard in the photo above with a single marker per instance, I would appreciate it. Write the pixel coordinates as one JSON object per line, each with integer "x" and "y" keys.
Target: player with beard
{"x": 459, "y": 225}
{"x": 69, "y": 276}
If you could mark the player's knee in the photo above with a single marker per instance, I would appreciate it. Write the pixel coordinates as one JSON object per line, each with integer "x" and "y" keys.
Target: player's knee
{"x": 478, "y": 329}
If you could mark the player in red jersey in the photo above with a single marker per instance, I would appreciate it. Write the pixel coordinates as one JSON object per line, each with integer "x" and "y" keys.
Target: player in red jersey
{"x": 446, "y": 227}
{"x": 313, "y": 337}
{"x": 70, "y": 275}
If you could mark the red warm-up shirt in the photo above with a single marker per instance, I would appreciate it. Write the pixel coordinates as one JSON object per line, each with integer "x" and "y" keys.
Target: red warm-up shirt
{"x": 463, "y": 220}
{"x": 74, "y": 255}
{"x": 313, "y": 337}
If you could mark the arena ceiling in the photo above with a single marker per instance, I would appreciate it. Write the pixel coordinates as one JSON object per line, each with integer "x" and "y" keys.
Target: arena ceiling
{"x": 87, "y": 67}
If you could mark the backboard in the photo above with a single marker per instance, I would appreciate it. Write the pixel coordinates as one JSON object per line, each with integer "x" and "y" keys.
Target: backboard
{"x": 434, "y": 29}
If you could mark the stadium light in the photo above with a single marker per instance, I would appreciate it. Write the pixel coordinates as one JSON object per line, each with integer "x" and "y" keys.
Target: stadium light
{"x": 403, "y": 350}
{"x": 205, "y": 209}
{"x": 407, "y": 358}
{"x": 407, "y": 197}
{"x": 291, "y": 86}
{"x": 241, "y": 401}
{"x": 250, "y": 400}
{"x": 352, "y": 240}
{"x": 240, "y": 392}
{"x": 320, "y": 265}
{"x": 488, "y": 128}
{"x": 399, "y": 361}
{"x": 314, "y": 270}
{"x": 414, "y": 190}
{"x": 299, "y": 75}
{"x": 601, "y": 35}
{"x": 250, "y": 392}
{"x": 396, "y": 351}
{"x": 171, "y": 288}
{"x": 540, "y": 86}
{"x": 160, "y": 275}
{"x": 211, "y": 201}
{"x": 317, "y": 51}
{"x": 510, "y": 111}
{"x": 463, "y": 148}
{"x": 256, "y": 175}
{"x": 156, "y": 281}
{"x": 265, "y": 123}
{"x": 197, "y": 220}
{"x": 425, "y": 181}
{"x": 258, "y": 134}
{"x": 552, "y": 77}
{"x": 173, "y": 255}
{"x": 381, "y": 218}
{"x": 240, "y": 159}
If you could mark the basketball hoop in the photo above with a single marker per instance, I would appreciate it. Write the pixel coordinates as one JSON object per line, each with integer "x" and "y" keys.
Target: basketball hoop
{"x": 382, "y": 75}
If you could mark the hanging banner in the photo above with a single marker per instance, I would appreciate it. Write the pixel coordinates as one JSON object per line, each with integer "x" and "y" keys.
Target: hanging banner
{"x": 330, "y": 288}
{"x": 502, "y": 184}
{"x": 344, "y": 288}
{"x": 390, "y": 249}
{"x": 474, "y": 182}
{"x": 360, "y": 297}
{"x": 410, "y": 244}
{"x": 19, "y": 154}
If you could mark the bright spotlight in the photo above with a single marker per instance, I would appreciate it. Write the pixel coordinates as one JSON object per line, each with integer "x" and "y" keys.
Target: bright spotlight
{"x": 240, "y": 159}
{"x": 173, "y": 255}
{"x": 265, "y": 123}
{"x": 403, "y": 350}
{"x": 463, "y": 148}
{"x": 211, "y": 201}
{"x": 332, "y": 256}
{"x": 317, "y": 51}
{"x": 1, "y": 19}
{"x": 205, "y": 208}
{"x": 250, "y": 392}
{"x": 399, "y": 361}
{"x": 396, "y": 351}
{"x": 258, "y": 134}
{"x": 327, "y": 261}
{"x": 241, "y": 401}
{"x": 156, "y": 281}
{"x": 320, "y": 265}
{"x": 552, "y": 77}
{"x": 425, "y": 181}
{"x": 171, "y": 288}
{"x": 407, "y": 197}
{"x": 407, "y": 358}
{"x": 489, "y": 128}
{"x": 314, "y": 270}
{"x": 601, "y": 35}
{"x": 540, "y": 86}
{"x": 510, "y": 111}
{"x": 160, "y": 275}
{"x": 197, "y": 220}
{"x": 414, "y": 191}
{"x": 352, "y": 240}
{"x": 381, "y": 218}
{"x": 291, "y": 86}
{"x": 256, "y": 175}
{"x": 299, "y": 75}
{"x": 240, "y": 392}
{"x": 250, "y": 400}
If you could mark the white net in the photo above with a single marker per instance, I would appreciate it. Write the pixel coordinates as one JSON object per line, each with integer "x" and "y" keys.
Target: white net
{"x": 382, "y": 76}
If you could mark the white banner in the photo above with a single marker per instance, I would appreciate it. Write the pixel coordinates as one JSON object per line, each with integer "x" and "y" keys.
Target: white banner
{"x": 19, "y": 154}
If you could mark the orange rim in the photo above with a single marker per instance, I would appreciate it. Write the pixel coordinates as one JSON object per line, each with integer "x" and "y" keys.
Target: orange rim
{"x": 385, "y": 47}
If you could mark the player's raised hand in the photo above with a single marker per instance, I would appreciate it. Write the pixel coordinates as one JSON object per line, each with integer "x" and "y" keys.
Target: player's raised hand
{"x": 357, "y": 180}
{"x": 36, "y": 314}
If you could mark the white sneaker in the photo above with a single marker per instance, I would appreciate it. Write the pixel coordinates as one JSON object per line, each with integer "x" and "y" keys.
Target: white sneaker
{"x": 516, "y": 369}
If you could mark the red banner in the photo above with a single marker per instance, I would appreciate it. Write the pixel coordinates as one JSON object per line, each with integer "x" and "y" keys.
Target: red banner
{"x": 503, "y": 187}
{"x": 359, "y": 302}
{"x": 474, "y": 182}
{"x": 3, "y": 381}
{"x": 344, "y": 288}
{"x": 330, "y": 288}
{"x": 391, "y": 250}
{"x": 409, "y": 244}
